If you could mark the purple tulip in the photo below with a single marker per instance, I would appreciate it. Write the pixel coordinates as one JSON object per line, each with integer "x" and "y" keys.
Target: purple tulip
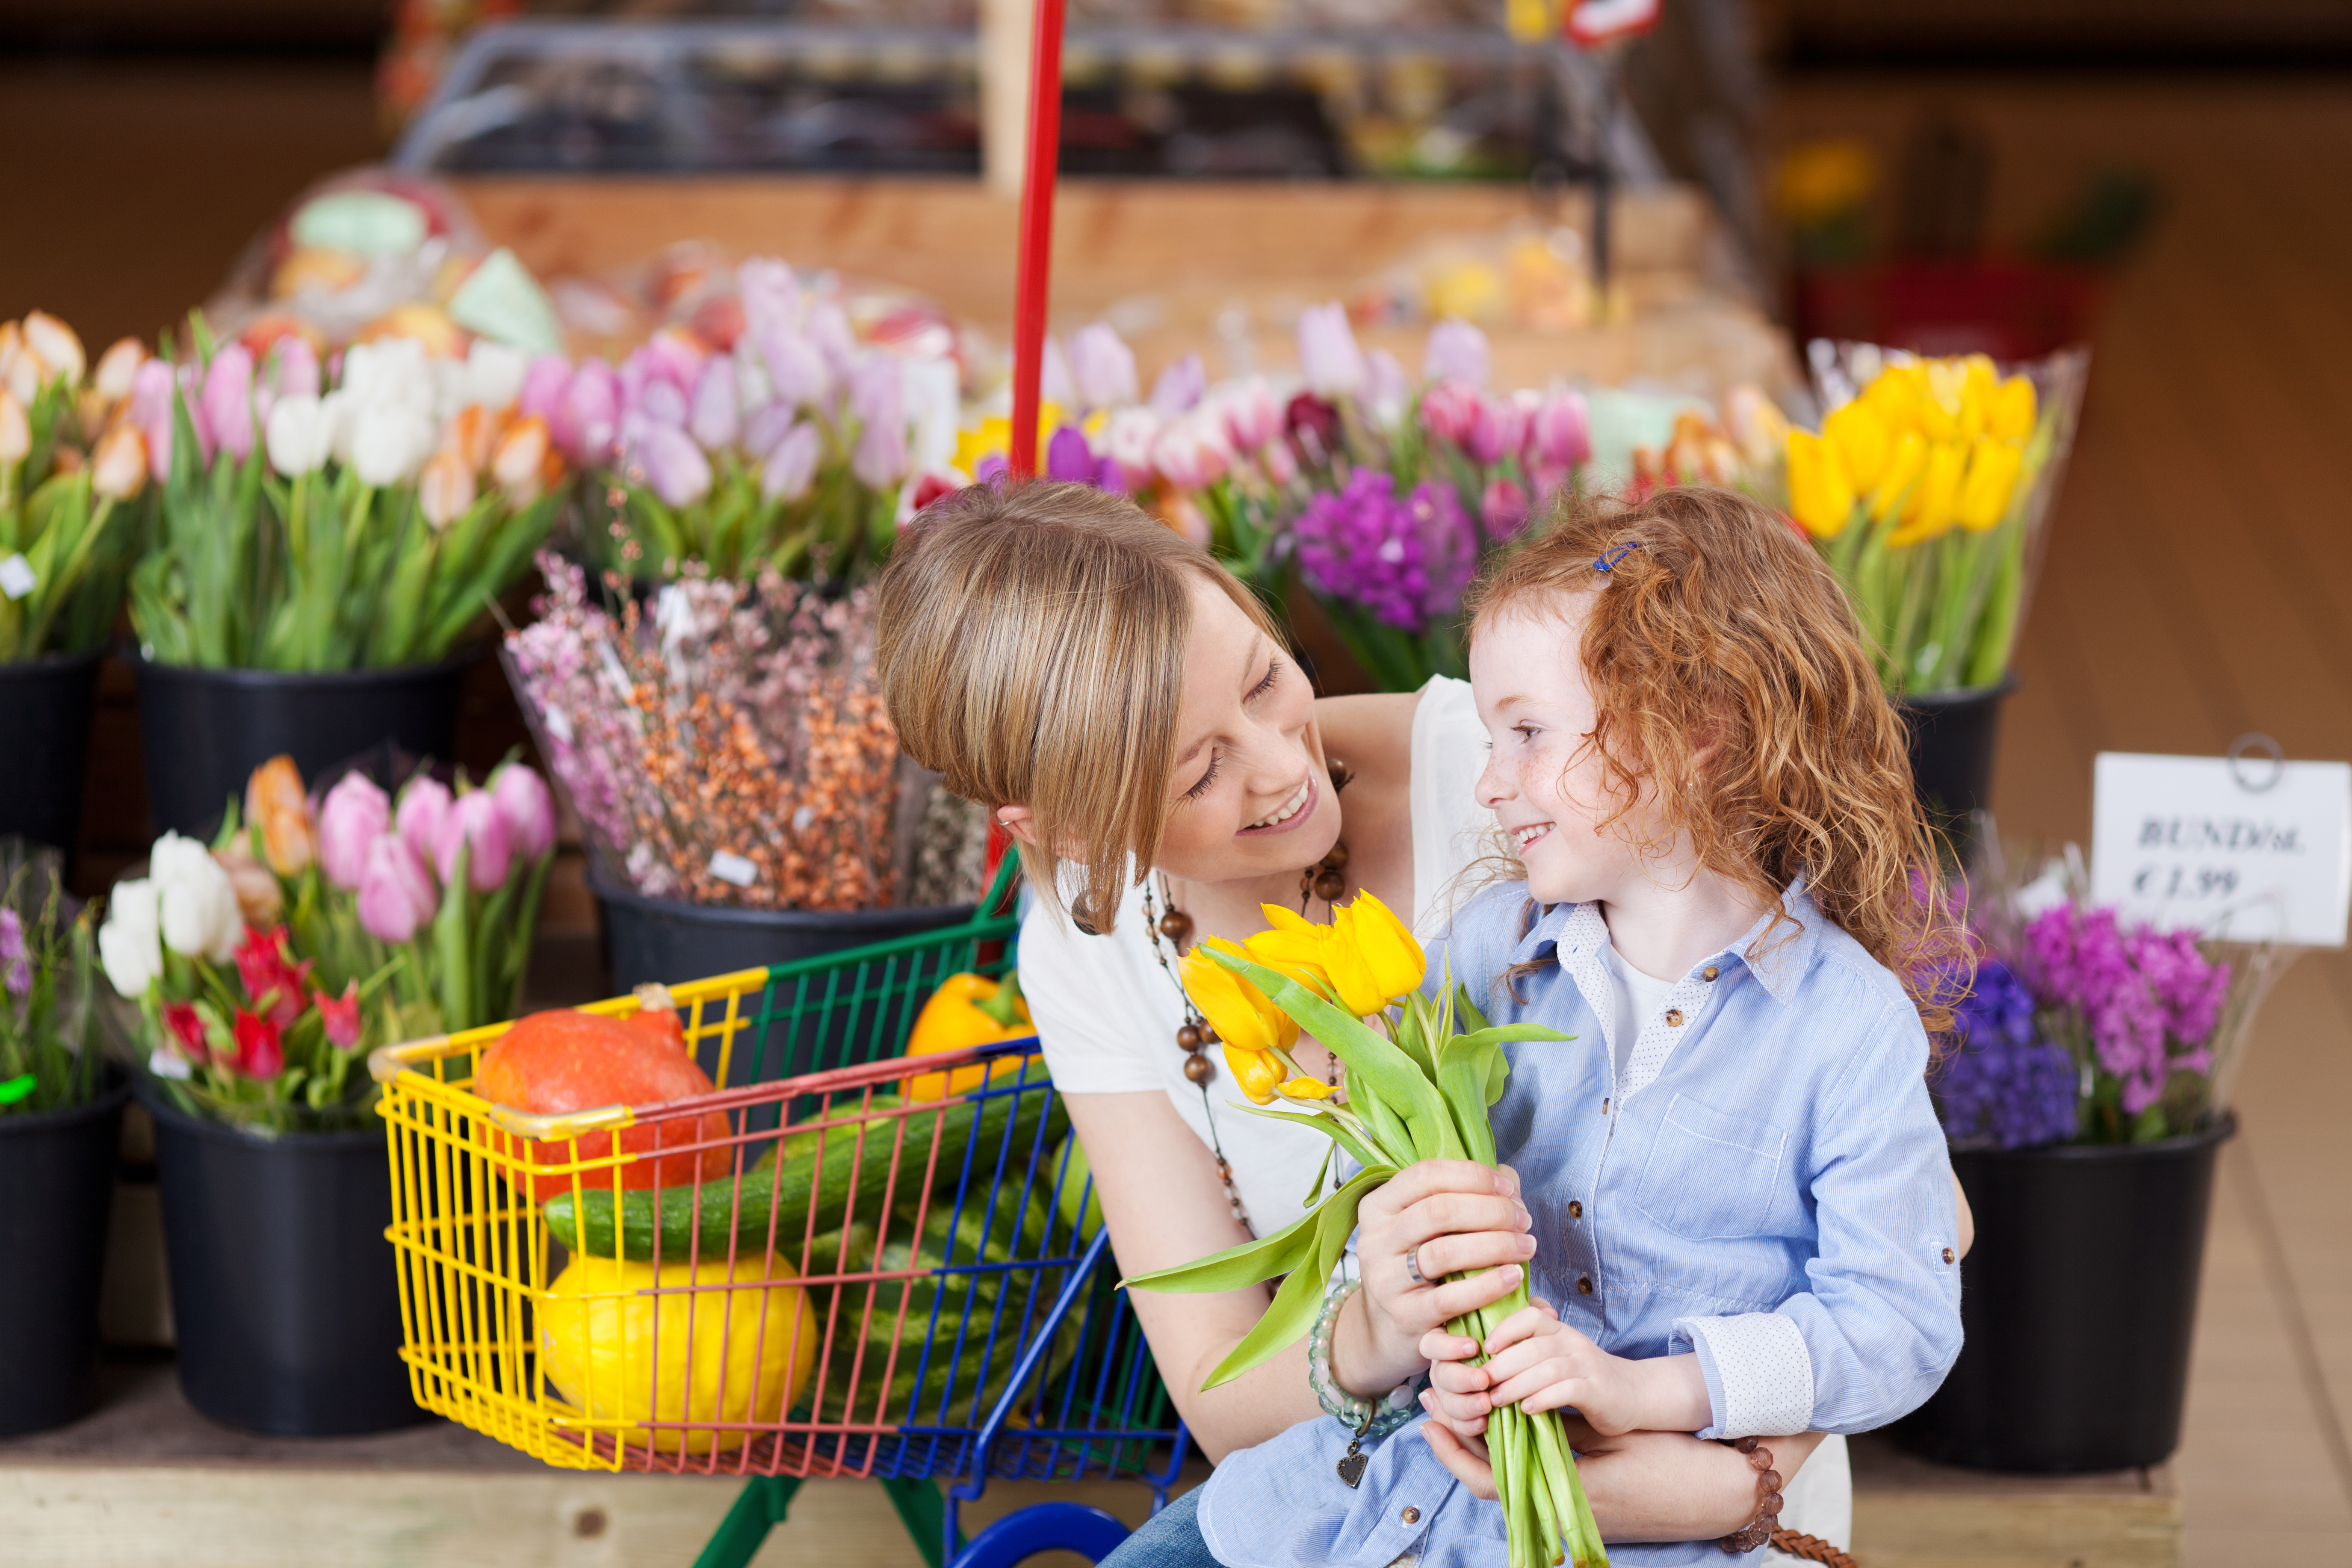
{"x": 355, "y": 815}
{"x": 1387, "y": 391}
{"x": 151, "y": 390}
{"x": 792, "y": 463}
{"x": 1501, "y": 428}
{"x": 424, "y": 807}
{"x": 1456, "y": 351}
{"x": 1328, "y": 359}
{"x": 1450, "y": 410}
{"x": 990, "y": 470}
{"x": 1503, "y": 509}
{"x": 673, "y": 465}
{"x": 766, "y": 427}
{"x": 1056, "y": 383}
{"x": 829, "y": 329}
{"x": 1180, "y": 386}
{"x": 770, "y": 293}
{"x": 475, "y": 822}
{"x": 228, "y": 401}
{"x": 523, "y": 800}
{"x": 1560, "y": 436}
{"x": 658, "y": 401}
{"x": 795, "y": 369}
{"x": 542, "y": 387}
{"x": 589, "y": 418}
{"x": 1069, "y": 458}
{"x": 1102, "y": 367}
{"x": 712, "y": 417}
{"x": 880, "y": 459}
{"x": 297, "y": 367}
{"x": 397, "y": 897}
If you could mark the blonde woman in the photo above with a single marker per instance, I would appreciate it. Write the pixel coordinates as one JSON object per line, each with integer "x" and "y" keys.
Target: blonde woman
{"x": 1129, "y": 713}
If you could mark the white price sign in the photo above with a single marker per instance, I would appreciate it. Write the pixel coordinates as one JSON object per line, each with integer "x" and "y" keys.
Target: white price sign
{"x": 2248, "y": 848}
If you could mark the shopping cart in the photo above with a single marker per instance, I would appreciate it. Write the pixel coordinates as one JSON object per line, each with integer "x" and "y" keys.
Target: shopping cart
{"x": 827, "y": 1266}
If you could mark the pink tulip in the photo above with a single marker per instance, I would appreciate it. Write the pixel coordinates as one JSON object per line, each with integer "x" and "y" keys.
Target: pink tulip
{"x": 1503, "y": 509}
{"x": 1456, "y": 351}
{"x": 1450, "y": 410}
{"x": 1560, "y": 434}
{"x": 1328, "y": 355}
{"x": 424, "y": 807}
{"x": 355, "y": 815}
{"x": 296, "y": 369}
{"x": 589, "y": 418}
{"x": 660, "y": 401}
{"x": 770, "y": 293}
{"x": 1253, "y": 417}
{"x": 523, "y": 800}
{"x": 828, "y": 329}
{"x": 152, "y": 390}
{"x": 542, "y": 387}
{"x": 1180, "y": 386}
{"x": 791, "y": 465}
{"x": 795, "y": 369}
{"x": 1387, "y": 391}
{"x": 1501, "y": 428}
{"x": 1101, "y": 367}
{"x": 228, "y": 401}
{"x": 712, "y": 418}
{"x": 1192, "y": 451}
{"x": 475, "y": 823}
{"x": 673, "y": 464}
{"x": 396, "y": 897}
{"x": 768, "y": 425}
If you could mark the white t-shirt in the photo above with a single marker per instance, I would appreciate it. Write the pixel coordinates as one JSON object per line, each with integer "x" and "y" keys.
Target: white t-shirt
{"x": 1107, "y": 1014}
{"x": 1640, "y": 998}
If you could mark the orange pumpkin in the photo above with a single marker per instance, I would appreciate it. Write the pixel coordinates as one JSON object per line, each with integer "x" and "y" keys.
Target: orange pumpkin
{"x": 565, "y": 1060}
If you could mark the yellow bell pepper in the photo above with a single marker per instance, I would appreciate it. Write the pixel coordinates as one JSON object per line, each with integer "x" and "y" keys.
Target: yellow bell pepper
{"x": 1819, "y": 491}
{"x": 966, "y": 1010}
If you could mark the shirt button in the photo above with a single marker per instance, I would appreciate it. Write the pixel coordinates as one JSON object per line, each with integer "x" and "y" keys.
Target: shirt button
{"x": 1584, "y": 1284}
{"x": 1674, "y": 1017}
{"x": 1947, "y": 1256}
{"x": 1709, "y": 972}
{"x": 1604, "y": 1108}
{"x": 1410, "y": 1516}
{"x": 1576, "y": 1211}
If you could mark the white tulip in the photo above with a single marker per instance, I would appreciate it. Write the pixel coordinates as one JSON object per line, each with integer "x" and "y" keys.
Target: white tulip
{"x": 298, "y": 435}
{"x": 389, "y": 442}
{"x": 200, "y": 916}
{"x": 130, "y": 942}
{"x": 390, "y": 370}
{"x": 494, "y": 373}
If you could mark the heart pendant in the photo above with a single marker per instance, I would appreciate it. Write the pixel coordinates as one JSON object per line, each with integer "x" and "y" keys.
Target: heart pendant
{"x": 1351, "y": 1466}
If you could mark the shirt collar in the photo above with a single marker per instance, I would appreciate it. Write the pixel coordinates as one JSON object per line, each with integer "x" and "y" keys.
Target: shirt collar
{"x": 1779, "y": 958}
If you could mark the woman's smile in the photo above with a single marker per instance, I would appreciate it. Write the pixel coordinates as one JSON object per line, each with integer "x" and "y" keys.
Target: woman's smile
{"x": 1296, "y": 808}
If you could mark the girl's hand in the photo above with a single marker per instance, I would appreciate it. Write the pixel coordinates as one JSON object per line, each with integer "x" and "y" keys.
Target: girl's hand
{"x": 1537, "y": 1362}
{"x": 1450, "y": 1216}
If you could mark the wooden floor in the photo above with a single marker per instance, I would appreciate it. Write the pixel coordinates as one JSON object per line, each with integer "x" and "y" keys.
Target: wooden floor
{"x": 2200, "y": 586}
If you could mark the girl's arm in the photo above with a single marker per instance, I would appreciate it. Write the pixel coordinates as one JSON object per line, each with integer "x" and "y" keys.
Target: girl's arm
{"x": 1643, "y": 1486}
{"x": 1165, "y": 1206}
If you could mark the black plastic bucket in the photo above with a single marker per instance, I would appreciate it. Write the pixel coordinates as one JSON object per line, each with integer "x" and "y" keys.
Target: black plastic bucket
{"x": 1954, "y": 737}
{"x": 2078, "y": 1301}
{"x": 283, "y": 1288}
{"x": 206, "y": 731}
{"x": 45, "y": 706}
{"x": 57, "y": 1190}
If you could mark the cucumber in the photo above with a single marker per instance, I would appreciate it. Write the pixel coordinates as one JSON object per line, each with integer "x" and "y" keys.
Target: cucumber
{"x": 787, "y": 1181}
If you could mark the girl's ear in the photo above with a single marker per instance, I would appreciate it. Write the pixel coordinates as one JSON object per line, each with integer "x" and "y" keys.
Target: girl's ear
{"x": 1016, "y": 821}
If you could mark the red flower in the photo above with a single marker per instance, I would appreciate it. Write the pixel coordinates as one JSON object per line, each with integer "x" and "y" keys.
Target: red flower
{"x": 187, "y": 1026}
{"x": 342, "y": 1015}
{"x": 272, "y": 981}
{"x": 258, "y": 1053}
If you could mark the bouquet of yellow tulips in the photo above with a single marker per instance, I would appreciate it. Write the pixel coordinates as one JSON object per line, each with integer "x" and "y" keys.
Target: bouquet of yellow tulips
{"x": 1928, "y": 490}
{"x": 1417, "y": 1088}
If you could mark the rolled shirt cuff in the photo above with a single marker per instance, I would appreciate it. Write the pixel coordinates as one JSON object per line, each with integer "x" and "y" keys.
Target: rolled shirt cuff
{"x": 1758, "y": 1372}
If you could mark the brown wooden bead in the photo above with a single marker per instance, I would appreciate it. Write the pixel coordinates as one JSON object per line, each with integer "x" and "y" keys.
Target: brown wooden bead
{"x": 1199, "y": 1069}
{"x": 1175, "y": 925}
{"x": 1337, "y": 860}
{"x": 1330, "y": 885}
{"x": 1208, "y": 1033}
{"x": 1746, "y": 1445}
{"x": 1769, "y": 1480}
{"x": 1189, "y": 1037}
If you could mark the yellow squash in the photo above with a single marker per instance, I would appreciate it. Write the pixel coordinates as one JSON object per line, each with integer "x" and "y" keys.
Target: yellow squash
{"x": 966, "y": 1010}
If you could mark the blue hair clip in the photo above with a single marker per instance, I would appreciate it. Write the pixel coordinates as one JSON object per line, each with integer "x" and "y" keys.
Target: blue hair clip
{"x": 1609, "y": 563}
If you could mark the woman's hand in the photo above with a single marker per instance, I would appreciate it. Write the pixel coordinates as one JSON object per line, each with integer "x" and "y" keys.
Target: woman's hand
{"x": 1450, "y": 1216}
{"x": 1643, "y": 1485}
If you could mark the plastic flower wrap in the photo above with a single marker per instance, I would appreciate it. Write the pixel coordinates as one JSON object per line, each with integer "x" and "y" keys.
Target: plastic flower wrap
{"x": 1416, "y": 1087}
{"x": 729, "y": 747}
{"x": 308, "y": 521}
{"x": 73, "y": 470}
{"x": 262, "y": 967}
{"x": 1927, "y": 489}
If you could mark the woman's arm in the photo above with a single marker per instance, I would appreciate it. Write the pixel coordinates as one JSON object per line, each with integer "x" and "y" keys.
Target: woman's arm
{"x": 1645, "y": 1486}
{"x": 1161, "y": 1197}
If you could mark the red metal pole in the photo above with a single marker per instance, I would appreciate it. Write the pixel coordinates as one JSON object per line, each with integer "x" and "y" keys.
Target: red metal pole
{"x": 1036, "y": 232}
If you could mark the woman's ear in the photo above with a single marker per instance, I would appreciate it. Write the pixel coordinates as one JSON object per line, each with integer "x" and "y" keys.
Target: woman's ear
{"x": 1016, "y": 821}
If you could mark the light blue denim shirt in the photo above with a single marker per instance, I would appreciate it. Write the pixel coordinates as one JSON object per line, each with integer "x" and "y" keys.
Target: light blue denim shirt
{"x": 1767, "y": 1187}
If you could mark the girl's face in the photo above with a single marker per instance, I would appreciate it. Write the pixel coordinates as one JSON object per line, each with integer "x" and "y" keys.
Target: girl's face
{"x": 1544, "y": 784}
{"x": 1250, "y": 796}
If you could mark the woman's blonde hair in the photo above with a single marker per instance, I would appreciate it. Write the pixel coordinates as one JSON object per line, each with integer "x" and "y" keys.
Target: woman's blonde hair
{"x": 1727, "y": 674}
{"x": 1032, "y": 648}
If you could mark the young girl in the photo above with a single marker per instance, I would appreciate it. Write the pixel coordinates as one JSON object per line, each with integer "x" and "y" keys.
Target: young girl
{"x": 1744, "y": 1215}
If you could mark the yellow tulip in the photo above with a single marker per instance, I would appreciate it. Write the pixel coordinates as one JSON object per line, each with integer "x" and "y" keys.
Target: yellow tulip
{"x": 1992, "y": 475}
{"x": 1304, "y": 1088}
{"x": 1298, "y": 952}
{"x": 1931, "y": 513}
{"x": 1258, "y": 1073}
{"x": 2013, "y": 411}
{"x": 1861, "y": 441}
{"x": 1236, "y": 1009}
{"x": 1893, "y": 395}
{"x": 1819, "y": 491}
{"x": 1387, "y": 943}
{"x": 1903, "y": 466}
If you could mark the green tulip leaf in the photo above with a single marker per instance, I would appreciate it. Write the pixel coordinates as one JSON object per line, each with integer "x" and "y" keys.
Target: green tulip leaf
{"x": 1300, "y": 1298}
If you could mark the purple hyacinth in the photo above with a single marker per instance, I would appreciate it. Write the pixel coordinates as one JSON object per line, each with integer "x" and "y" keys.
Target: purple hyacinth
{"x": 1403, "y": 559}
{"x": 2003, "y": 1082}
{"x": 2149, "y": 1000}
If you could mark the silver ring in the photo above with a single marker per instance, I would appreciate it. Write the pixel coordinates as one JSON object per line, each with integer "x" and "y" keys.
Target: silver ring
{"x": 1413, "y": 1265}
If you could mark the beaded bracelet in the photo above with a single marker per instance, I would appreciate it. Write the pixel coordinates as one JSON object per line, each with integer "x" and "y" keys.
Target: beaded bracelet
{"x": 1760, "y": 1529}
{"x": 1358, "y": 1415}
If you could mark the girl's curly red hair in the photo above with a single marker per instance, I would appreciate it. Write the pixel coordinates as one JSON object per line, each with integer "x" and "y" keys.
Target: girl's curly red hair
{"x": 1728, "y": 676}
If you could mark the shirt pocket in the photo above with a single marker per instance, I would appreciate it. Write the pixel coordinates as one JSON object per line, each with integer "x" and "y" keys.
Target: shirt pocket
{"x": 1711, "y": 1175}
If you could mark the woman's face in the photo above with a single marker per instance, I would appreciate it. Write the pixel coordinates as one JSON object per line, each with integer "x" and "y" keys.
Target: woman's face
{"x": 1250, "y": 796}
